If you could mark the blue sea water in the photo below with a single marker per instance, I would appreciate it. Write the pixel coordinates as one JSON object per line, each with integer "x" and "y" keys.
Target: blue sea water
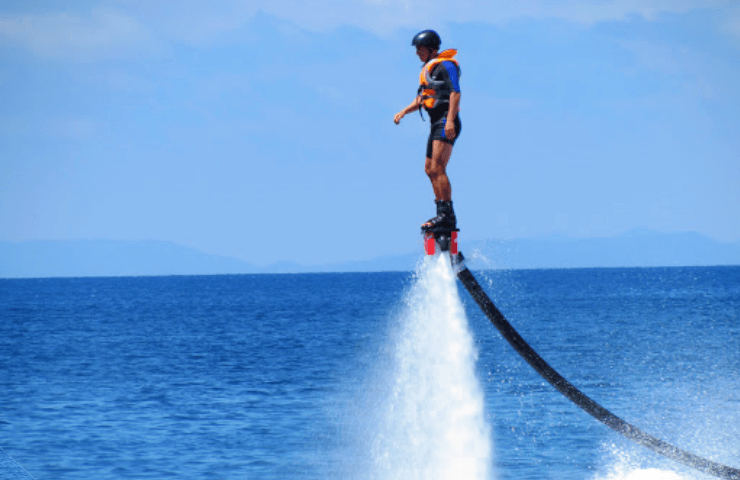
{"x": 375, "y": 375}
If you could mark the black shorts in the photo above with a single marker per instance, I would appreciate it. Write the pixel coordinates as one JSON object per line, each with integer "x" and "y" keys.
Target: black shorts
{"x": 438, "y": 133}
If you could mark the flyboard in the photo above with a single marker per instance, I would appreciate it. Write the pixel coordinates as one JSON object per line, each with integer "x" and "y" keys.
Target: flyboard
{"x": 446, "y": 241}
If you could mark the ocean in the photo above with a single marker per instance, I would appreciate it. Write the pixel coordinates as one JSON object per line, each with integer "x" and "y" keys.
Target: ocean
{"x": 366, "y": 375}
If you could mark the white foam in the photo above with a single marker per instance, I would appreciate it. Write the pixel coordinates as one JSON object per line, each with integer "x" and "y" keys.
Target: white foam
{"x": 642, "y": 474}
{"x": 432, "y": 425}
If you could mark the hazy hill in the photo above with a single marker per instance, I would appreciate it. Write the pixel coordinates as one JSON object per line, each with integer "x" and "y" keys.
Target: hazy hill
{"x": 638, "y": 248}
{"x": 112, "y": 258}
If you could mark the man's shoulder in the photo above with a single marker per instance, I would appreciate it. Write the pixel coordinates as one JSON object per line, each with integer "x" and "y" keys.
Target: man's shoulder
{"x": 444, "y": 66}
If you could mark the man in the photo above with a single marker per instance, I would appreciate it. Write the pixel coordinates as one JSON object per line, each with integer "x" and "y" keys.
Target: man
{"x": 439, "y": 94}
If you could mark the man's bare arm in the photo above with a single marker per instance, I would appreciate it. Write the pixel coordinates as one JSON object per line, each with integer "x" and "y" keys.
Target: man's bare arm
{"x": 451, "y": 114}
{"x": 415, "y": 105}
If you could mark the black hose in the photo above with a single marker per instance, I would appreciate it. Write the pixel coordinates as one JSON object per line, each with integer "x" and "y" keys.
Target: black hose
{"x": 579, "y": 398}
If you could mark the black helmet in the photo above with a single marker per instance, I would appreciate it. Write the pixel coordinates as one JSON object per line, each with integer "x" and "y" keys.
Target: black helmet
{"x": 427, "y": 38}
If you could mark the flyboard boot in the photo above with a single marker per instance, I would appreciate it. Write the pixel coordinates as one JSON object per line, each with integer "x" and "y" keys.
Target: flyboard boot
{"x": 444, "y": 221}
{"x": 441, "y": 229}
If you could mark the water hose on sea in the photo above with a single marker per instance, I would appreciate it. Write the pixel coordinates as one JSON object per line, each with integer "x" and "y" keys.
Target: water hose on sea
{"x": 579, "y": 398}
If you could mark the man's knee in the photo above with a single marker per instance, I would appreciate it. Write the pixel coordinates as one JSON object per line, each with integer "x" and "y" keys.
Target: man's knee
{"x": 429, "y": 170}
{"x": 434, "y": 169}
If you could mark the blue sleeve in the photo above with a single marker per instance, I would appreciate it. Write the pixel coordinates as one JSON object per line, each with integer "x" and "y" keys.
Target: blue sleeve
{"x": 453, "y": 74}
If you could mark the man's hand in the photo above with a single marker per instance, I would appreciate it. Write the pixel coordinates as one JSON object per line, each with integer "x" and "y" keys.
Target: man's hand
{"x": 415, "y": 105}
{"x": 450, "y": 129}
{"x": 451, "y": 115}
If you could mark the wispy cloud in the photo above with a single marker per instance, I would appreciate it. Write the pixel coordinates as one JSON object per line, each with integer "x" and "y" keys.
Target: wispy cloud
{"x": 102, "y": 31}
{"x": 81, "y": 36}
{"x": 731, "y": 23}
{"x": 65, "y": 127}
{"x": 589, "y": 12}
{"x": 383, "y": 16}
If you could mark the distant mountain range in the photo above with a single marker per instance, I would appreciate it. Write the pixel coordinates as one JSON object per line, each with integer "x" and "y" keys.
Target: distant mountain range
{"x": 107, "y": 258}
{"x": 638, "y": 248}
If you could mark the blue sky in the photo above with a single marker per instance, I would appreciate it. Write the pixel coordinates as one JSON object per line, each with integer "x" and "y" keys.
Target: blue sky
{"x": 264, "y": 130}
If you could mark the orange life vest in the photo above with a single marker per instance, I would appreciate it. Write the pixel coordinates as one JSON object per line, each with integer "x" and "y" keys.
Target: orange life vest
{"x": 434, "y": 92}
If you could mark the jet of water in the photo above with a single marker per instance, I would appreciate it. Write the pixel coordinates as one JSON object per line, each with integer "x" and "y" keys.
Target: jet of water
{"x": 433, "y": 425}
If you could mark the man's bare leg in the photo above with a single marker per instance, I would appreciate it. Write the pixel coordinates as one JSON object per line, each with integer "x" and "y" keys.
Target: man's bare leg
{"x": 436, "y": 170}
